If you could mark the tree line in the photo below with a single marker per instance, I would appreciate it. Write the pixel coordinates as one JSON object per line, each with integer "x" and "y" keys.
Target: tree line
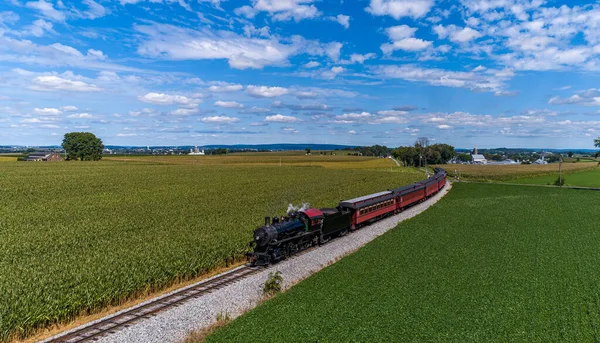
{"x": 421, "y": 153}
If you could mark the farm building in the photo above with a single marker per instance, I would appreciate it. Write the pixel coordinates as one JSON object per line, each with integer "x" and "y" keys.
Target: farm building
{"x": 478, "y": 158}
{"x": 44, "y": 156}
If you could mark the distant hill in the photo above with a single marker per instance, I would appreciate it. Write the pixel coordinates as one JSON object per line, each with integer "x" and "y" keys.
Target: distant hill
{"x": 280, "y": 146}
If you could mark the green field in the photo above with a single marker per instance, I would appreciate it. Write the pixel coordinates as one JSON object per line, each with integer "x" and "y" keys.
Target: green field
{"x": 507, "y": 172}
{"x": 488, "y": 263}
{"x": 76, "y": 236}
{"x": 590, "y": 178}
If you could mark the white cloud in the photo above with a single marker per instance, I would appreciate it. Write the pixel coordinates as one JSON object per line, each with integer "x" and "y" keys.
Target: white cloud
{"x": 266, "y": 92}
{"x": 251, "y": 31}
{"x": 225, "y": 87}
{"x": 354, "y": 116}
{"x": 278, "y": 118}
{"x": 400, "y": 8}
{"x": 56, "y": 83}
{"x": 220, "y": 120}
{"x": 68, "y": 108}
{"x": 311, "y": 64}
{"x": 392, "y": 113}
{"x": 402, "y": 39}
{"x": 184, "y": 112}
{"x": 246, "y": 11}
{"x": 181, "y": 3}
{"x": 96, "y": 54}
{"x": 95, "y": 10}
{"x": 341, "y": 19}
{"x": 281, "y": 10}
{"x": 441, "y": 77}
{"x": 444, "y": 127}
{"x": 228, "y": 104}
{"x": 352, "y": 132}
{"x": 290, "y": 130}
{"x": 479, "y": 68}
{"x": 38, "y": 28}
{"x": 588, "y": 97}
{"x": 144, "y": 111}
{"x": 400, "y": 32}
{"x": 166, "y": 99}
{"x": 359, "y": 58}
{"x": 47, "y": 111}
{"x": 27, "y": 52}
{"x": 175, "y": 43}
{"x": 333, "y": 50}
{"x": 407, "y": 44}
{"x": 8, "y": 17}
{"x": 330, "y": 74}
{"x": 306, "y": 95}
{"x": 456, "y": 34}
{"x": 81, "y": 116}
{"x": 464, "y": 35}
{"x": 47, "y": 10}
{"x": 338, "y": 70}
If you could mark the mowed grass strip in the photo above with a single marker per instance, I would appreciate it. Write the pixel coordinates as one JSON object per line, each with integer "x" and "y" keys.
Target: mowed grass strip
{"x": 508, "y": 172}
{"x": 76, "y": 236}
{"x": 589, "y": 178}
{"x": 488, "y": 263}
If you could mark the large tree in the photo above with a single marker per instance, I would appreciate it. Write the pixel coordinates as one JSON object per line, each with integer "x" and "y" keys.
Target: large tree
{"x": 597, "y": 145}
{"x": 83, "y": 146}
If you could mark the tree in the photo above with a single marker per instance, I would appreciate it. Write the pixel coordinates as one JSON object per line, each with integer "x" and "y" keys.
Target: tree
{"x": 307, "y": 151}
{"x": 465, "y": 157}
{"x": 83, "y": 146}
{"x": 597, "y": 145}
{"x": 422, "y": 142}
{"x": 446, "y": 152}
{"x": 407, "y": 154}
{"x": 570, "y": 154}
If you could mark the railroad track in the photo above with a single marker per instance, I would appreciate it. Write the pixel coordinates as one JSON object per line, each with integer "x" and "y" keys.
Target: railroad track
{"x": 124, "y": 319}
{"x": 111, "y": 324}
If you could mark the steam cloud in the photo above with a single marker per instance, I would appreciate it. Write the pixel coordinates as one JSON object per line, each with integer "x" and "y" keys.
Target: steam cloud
{"x": 292, "y": 208}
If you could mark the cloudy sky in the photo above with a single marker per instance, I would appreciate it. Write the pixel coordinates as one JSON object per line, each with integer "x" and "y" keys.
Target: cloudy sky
{"x": 487, "y": 73}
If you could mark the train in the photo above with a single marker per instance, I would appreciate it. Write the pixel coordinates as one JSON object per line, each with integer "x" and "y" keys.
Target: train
{"x": 281, "y": 237}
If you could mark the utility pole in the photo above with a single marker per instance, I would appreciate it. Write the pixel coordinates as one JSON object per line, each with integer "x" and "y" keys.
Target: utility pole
{"x": 560, "y": 173}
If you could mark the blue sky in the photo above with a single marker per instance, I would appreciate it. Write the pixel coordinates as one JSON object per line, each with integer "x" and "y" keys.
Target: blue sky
{"x": 486, "y": 73}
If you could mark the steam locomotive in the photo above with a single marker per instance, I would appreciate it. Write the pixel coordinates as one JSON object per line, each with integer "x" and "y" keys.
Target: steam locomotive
{"x": 299, "y": 230}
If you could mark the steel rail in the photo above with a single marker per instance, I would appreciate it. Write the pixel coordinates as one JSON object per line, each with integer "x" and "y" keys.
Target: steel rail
{"x": 113, "y": 323}
{"x": 149, "y": 309}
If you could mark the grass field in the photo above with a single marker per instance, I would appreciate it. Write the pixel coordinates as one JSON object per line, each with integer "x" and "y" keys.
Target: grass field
{"x": 76, "y": 236}
{"x": 512, "y": 171}
{"x": 589, "y": 178}
{"x": 488, "y": 263}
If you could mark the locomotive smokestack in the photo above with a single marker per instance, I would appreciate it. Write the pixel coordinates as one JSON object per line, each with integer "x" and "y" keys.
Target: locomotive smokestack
{"x": 267, "y": 221}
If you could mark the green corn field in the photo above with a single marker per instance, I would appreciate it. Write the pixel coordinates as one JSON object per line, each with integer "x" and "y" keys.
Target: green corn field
{"x": 76, "y": 237}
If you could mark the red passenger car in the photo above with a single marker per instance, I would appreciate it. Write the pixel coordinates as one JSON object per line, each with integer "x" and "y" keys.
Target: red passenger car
{"x": 408, "y": 195}
{"x": 369, "y": 208}
{"x": 431, "y": 187}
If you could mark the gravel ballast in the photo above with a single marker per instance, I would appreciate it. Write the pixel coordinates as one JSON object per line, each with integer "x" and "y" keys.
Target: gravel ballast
{"x": 174, "y": 324}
